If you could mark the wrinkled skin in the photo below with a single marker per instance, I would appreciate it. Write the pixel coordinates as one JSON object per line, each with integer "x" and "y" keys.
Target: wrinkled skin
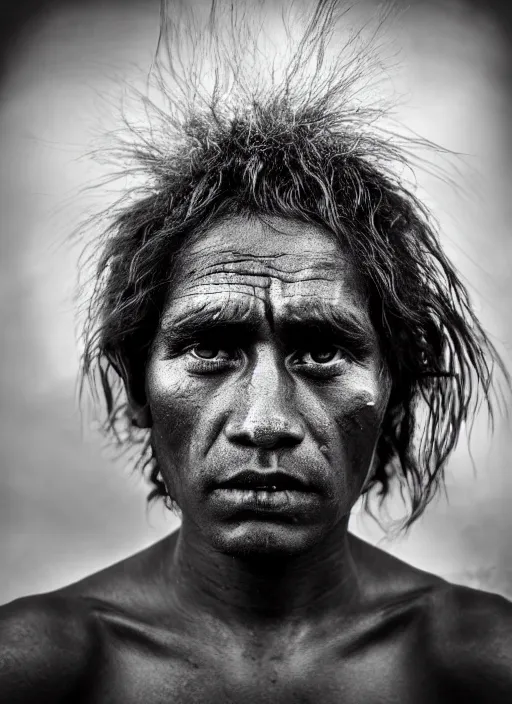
{"x": 265, "y": 360}
{"x": 265, "y": 402}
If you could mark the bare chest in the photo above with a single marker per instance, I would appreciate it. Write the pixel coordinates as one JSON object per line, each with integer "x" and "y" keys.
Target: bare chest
{"x": 190, "y": 673}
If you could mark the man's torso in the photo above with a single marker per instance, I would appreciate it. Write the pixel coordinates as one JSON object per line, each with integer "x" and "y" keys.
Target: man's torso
{"x": 114, "y": 638}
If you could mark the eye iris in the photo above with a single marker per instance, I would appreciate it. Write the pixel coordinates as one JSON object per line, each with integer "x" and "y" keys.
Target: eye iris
{"x": 206, "y": 352}
{"x": 323, "y": 356}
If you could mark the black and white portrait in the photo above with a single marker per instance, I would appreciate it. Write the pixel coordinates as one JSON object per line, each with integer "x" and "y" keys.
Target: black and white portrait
{"x": 256, "y": 352}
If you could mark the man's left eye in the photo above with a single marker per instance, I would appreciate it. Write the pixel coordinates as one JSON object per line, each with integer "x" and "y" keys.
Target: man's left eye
{"x": 322, "y": 355}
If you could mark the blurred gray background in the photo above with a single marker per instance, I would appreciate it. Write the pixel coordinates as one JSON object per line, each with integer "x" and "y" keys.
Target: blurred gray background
{"x": 65, "y": 507}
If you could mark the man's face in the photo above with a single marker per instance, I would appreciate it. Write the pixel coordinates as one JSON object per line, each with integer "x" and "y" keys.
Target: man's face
{"x": 266, "y": 386}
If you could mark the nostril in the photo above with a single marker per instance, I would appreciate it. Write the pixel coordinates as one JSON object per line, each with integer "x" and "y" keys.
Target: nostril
{"x": 268, "y": 436}
{"x": 274, "y": 436}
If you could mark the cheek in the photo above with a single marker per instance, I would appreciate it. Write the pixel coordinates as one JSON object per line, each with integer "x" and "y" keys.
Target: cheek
{"x": 174, "y": 403}
{"x": 187, "y": 413}
{"x": 362, "y": 413}
{"x": 358, "y": 411}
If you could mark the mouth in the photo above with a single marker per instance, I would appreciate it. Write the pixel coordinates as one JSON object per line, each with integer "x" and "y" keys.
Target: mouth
{"x": 263, "y": 495}
{"x": 253, "y": 481}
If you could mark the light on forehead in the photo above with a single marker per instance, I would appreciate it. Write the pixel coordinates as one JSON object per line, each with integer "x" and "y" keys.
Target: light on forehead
{"x": 259, "y": 252}
{"x": 274, "y": 235}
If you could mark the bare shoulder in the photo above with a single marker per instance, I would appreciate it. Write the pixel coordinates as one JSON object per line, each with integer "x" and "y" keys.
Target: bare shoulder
{"x": 135, "y": 588}
{"x": 464, "y": 635}
{"x": 470, "y": 636}
{"x": 51, "y": 645}
{"x": 47, "y": 647}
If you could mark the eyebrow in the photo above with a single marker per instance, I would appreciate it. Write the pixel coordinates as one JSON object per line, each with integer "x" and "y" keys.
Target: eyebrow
{"x": 198, "y": 322}
{"x": 327, "y": 320}
{"x": 315, "y": 318}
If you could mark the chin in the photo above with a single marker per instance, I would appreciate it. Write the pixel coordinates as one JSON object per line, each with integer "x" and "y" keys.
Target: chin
{"x": 258, "y": 538}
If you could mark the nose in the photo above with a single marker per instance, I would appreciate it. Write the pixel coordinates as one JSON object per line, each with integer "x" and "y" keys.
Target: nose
{"x": 266, "y": 415}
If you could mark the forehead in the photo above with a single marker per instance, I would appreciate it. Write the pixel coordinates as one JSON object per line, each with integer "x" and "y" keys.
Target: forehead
{"x": 264, "y": 262}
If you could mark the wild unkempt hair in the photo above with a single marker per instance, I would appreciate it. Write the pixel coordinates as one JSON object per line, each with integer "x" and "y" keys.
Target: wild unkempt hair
{"x": 244, "y": 132}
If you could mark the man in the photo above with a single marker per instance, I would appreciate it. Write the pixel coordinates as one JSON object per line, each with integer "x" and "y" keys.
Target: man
{"x": 281, "y": 317}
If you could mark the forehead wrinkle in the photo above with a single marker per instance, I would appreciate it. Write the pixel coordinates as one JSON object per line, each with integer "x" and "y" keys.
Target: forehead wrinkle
{"x": 278, "y": 300}
{"x": 233, "y": 255}
{"x": 270, "y": 229}
{"x": 262, "y": 265}
{"x": 227, "y": 292}
{"x": 194, "y": 289}
{"x": 211, "y": 310}
{"x": 248, "y": 279}
{"x": 265, "y": 279}
{"x": 206, "y": 251}
{"x": 291, "y": 277}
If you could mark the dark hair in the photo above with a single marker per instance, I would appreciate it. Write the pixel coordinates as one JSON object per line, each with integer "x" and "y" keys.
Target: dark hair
{"x": 298, "y": 146}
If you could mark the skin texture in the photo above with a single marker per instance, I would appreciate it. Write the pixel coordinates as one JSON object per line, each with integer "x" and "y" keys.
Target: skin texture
{"x": 265, "y": 360}
{"x": 262, "y": 402}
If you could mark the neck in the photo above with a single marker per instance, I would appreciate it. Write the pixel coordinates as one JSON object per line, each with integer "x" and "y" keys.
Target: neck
{"x": 266, "y": 589}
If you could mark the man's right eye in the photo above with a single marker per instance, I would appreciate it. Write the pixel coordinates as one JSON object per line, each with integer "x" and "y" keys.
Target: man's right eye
{"x": 209, "y": 358}
{"x": 210, "y": 353}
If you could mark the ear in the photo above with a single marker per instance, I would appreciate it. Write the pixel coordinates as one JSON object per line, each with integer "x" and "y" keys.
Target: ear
{"x": 141, "y": 415}
{"x": 134, "y": 380}
{"x": 395, "y": 413}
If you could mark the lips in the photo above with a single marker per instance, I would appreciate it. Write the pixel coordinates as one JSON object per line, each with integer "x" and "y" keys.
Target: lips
{"x": 251, "y": 480}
